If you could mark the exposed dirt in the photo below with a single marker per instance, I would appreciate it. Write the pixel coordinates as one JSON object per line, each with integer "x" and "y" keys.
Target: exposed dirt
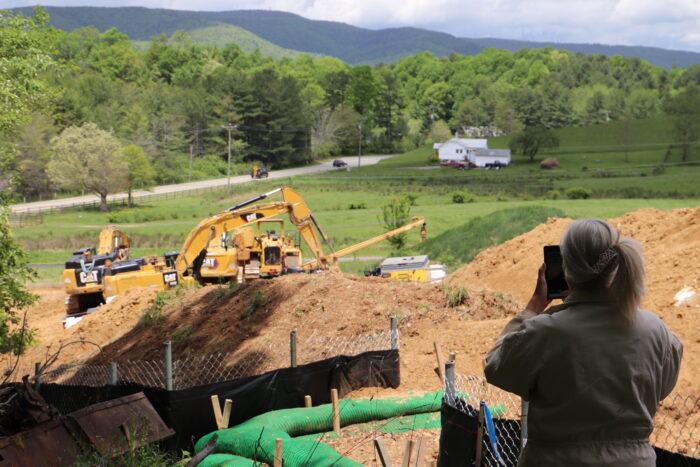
{"x": 499, "y": 281}
{"x": 671, "y": 241}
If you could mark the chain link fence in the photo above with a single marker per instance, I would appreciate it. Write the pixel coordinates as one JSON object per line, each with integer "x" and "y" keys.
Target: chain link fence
{"x": 676, "y": 424}
{"x": 218, "y": 367}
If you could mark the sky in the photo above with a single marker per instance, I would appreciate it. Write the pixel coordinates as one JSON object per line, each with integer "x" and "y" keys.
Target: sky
{"x": 671, "y": 24}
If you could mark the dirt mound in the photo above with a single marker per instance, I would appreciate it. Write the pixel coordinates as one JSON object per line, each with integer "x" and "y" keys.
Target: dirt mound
{"x": 671, "y": 241}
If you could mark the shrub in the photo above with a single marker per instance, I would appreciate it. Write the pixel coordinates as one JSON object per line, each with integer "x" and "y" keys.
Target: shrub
{"x": 553, "y": 194}
{"x": 658, "y": 170}
{"x": 412, "y": 197}
{"x": 358, "y": 206}
{"x": 460, "y": 197}
{"x": 455, "y": 296}
{"x": 258, "y": 299}
{"x": 578, "y": 192}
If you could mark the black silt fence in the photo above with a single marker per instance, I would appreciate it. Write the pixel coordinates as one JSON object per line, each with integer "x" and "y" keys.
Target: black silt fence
{"x": 189, "y": 412}
{"x": 458, "y": 438}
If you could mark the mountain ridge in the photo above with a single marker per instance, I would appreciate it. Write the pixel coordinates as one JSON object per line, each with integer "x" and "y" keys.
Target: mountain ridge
{"x": 350, "y": 43}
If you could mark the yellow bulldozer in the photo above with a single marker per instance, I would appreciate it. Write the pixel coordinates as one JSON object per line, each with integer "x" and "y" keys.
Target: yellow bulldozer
{"x": 238, "y": 244}
{"x": 84, "y": 271}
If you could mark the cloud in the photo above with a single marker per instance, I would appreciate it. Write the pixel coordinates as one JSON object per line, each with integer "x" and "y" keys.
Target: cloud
{"x": 670, "y": 24}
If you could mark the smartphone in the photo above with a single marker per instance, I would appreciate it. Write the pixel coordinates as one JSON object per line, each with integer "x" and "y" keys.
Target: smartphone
{"x": 556, "y": 282}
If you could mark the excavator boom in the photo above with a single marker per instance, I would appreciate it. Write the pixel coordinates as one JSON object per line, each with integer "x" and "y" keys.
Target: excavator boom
{"x": 415, "y": 222}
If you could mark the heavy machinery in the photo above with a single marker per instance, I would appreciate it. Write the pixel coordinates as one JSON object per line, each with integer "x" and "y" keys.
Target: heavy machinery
{"x": 209, "y": 241}
{"x": 241, "y": 243}
{"x": 259, "y": 172}
{"x": 84, "y": 271}
{"x": 410, "y": 268}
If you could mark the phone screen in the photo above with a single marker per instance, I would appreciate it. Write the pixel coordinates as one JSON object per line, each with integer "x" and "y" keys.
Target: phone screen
{"x": 556, "y": 282}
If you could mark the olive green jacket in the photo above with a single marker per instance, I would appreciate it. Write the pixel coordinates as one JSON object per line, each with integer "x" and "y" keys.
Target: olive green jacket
{"x": 593, "y": 382}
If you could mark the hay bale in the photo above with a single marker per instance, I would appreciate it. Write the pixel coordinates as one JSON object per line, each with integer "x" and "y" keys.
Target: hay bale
{"x": 550, "y": 163}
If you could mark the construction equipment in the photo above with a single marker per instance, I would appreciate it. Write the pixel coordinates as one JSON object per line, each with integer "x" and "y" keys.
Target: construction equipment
{"x": 410, "y": 268}
{"x": 84, "y": 270}
{"x": 259, "y": 172}
{"x": 240, "y": 243}
{"x": 208, "y": 241}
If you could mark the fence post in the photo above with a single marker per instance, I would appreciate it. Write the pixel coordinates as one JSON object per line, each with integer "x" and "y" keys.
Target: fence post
{"x": 524, "y": 409}
{"x": 37, "y": 376}
{"x": 393, "y": 332}
{"x": 293, "y": 349}
{"x": 168, "y": 366}
{"x": 450, "y": 381}
{"x": 113, "y": 373}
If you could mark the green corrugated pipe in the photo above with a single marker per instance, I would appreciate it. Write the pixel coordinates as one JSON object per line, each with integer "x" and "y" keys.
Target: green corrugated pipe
{"x": 255, "y": 438}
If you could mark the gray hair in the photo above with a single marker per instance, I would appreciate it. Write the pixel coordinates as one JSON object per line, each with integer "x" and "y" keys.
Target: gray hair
{"x": 594, "y": 255}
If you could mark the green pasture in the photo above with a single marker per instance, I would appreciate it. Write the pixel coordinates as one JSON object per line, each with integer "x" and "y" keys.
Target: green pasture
{"x": 621, "y": 176}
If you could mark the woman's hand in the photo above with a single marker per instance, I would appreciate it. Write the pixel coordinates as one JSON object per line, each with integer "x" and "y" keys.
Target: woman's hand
{"x": 539, "y": 301}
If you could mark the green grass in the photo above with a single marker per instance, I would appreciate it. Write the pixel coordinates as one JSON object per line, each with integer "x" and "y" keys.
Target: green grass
{"x": 461, "y": 244}
{"x": 590, "y": 157}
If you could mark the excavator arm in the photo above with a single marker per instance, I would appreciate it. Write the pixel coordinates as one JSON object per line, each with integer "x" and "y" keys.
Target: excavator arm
{"x": 415, "y": 222}
{"x": 112, "y": 240}
{"x": 246, "y": 213}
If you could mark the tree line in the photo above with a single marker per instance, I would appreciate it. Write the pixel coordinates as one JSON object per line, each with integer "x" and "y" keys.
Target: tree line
{"x": 177, "y": 100}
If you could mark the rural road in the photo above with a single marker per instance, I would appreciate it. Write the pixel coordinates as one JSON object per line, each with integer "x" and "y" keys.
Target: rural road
{"x": 78, "y": 200}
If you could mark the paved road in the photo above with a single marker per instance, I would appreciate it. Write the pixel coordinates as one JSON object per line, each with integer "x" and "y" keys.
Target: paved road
{"x": 88, "y": 199}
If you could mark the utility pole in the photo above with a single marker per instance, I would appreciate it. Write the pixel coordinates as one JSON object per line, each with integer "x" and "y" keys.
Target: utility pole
{"x": 229, "y": 127}
{"x": 359, "y": 142}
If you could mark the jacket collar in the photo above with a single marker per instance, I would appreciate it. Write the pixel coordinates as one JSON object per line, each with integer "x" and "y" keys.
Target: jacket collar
{"x": 581, "y": 296}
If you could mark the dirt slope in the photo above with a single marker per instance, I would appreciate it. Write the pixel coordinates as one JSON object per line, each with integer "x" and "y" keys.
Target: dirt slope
{"x": 671, "y": 241}
{"x": 220, "y": 319}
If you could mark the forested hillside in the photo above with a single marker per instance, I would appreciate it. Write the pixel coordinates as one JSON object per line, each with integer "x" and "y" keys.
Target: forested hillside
{"x": 349, "y": 43}
{"x": 170, "y": 102}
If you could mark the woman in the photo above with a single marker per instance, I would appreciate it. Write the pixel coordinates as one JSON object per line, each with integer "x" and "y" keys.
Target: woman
{"x": 593, "y": 368}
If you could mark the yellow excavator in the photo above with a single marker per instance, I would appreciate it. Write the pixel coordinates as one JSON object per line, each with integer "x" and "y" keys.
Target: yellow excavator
{"x": 84, "y": 271}
{"x": 208, "y": 242}
{"x": 241, "y": 243}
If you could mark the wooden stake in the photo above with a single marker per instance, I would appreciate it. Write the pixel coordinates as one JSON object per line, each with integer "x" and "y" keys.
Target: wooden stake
{"x": 453, "y": 356}
{"x": 217, "y": 411}
{"x": 479, "y": 436}
{"x": 440, "y": 362}
{"x": 419, "y": 452}
{"x": 407, "y": 454}
{"x": 336, "y": 412}
{"x": 227, "y": 413}
{"x": 307, "y": 401}
{"x": 382, "y": 452}
{"x": 278, "y": 453}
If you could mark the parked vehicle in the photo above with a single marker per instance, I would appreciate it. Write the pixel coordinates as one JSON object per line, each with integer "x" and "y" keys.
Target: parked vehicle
{"x": 259, "y": 172}
{"x": 339, "y": 163}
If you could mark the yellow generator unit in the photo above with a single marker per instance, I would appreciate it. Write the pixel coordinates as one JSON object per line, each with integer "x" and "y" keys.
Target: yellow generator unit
{"x": 412, "y": 268}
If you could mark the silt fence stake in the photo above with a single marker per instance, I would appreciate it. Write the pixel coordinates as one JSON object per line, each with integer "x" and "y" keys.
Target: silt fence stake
{"x": 293, "y": 349}
{"x": 168, "y": 366}
{"x": 394, "y": 332}
{"x": 113, "y": 373}
{"x": 450, "y": 381}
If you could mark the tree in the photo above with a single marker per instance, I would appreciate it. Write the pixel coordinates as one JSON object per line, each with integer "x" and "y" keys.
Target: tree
{"x": 25, "y": 48}
{"x": 89, "y": 159}
{"x": 395, "y": 214}
{"x": 531, "y": 140}
{"x": 25, "y": 53}
{"x": 14, "y": 273}
{"x": 685, "y": 109}
{"x": 140, "y": 172}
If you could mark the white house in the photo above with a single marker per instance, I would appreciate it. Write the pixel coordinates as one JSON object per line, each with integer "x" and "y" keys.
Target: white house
{"x": 458, "y": 149}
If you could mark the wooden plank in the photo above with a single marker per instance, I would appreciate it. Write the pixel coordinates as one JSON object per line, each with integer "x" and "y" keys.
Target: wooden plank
{"x": 336, "y": 411}
{"x": 382, "y": 452}
{"x": 419, "y": 452}
{"x": 406, "y": 462}
{"x": 440, "y": 362}
{"x": 278, "y": 460}
{"x": 218, "y": 417}
{"x": 227, "y": 413}
{"x": 479, "y": 436}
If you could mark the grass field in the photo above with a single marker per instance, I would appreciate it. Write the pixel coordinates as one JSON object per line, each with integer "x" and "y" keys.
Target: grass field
{"x": 348, "y": 204}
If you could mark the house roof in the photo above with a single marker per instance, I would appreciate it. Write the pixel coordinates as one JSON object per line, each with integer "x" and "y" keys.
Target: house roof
{"x": 469, "y": 143}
